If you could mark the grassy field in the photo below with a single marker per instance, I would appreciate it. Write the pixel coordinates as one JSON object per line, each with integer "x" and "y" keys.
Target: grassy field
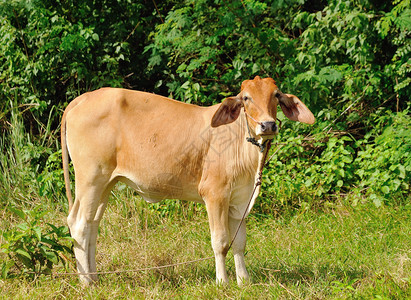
{"x": 342, "y": 252}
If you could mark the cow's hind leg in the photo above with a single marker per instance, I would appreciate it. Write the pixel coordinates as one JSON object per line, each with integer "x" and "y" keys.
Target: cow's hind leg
{"x": 83, "y": 220}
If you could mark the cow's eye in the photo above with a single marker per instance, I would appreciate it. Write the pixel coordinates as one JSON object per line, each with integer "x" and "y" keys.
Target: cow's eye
{"x": 278, "y": 95}
{"x": 245, "y": 98}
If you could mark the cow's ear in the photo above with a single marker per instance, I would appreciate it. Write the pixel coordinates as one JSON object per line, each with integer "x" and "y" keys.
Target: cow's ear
{"x": 228, "y": 112}
{"x": 295, "y": 110}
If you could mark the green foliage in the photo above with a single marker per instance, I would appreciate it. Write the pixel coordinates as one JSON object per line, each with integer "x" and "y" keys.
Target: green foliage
{"x": 336, "y": 52}
{"x": 51, "y": 179}
{"x": 384, "y": 164}
{"x": 51, "y": 51}
{"x": 27, "y": 160}
{"x": 308, "y": 171}
{"x": 208, "y": 58}
{"x": 343, "y": 288}
{"x": 333, "y": 170}
{"x": 173, "y": 209}
{"x": 32, "y": 247}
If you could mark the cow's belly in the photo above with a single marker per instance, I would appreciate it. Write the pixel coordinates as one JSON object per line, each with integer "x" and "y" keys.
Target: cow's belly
{"x": 161, "y": 187}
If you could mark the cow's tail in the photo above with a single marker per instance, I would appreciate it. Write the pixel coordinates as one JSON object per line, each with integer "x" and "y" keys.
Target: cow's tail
{"x": 65, "y": 150}
{"x": 65, "y": 156}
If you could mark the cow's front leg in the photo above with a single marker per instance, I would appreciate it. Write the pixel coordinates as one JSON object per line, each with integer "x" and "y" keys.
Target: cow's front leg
{"x": 217, "y": 210}
{"x": 238, "y": 249}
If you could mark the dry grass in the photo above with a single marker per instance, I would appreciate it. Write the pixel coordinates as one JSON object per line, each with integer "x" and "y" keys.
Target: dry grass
{"x": 342, "y": 253}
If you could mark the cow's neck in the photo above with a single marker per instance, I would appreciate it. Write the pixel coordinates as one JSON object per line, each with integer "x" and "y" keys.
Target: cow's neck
{"x": 248, "y": 156}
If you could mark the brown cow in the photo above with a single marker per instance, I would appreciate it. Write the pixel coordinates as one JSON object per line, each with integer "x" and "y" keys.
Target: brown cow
{"x": 168, "y": 149}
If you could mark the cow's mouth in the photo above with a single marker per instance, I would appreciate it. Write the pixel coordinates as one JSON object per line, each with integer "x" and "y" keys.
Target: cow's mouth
{"x": 267, "y": 136}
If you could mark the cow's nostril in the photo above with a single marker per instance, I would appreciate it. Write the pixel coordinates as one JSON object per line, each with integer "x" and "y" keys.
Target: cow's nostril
{"x": 268, "y": 127}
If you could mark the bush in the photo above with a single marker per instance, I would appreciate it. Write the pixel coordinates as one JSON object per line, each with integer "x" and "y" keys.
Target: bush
{"x": 32, "y": 247}
{"x": 383, "y": 164}
{"x": 321, "y": 167}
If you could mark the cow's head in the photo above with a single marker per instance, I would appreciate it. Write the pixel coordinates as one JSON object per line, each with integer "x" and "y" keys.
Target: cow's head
{"x": 260, "y": 98}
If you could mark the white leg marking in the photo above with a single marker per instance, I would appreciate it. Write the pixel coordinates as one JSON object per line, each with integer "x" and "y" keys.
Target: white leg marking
{"x": 218, "y": 219}
{"x": 83, "y": 222}
{"x": 238, "y": 250}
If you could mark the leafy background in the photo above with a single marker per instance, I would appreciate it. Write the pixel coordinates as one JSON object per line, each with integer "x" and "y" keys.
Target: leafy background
{"x": 349, "y": 61}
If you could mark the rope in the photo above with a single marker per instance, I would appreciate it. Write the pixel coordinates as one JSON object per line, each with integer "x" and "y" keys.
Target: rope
{"x": 279, "y": 146}
{"x": 125, "y": 271}
{"x": 257, "y": 183}
{"x": 251, "y": 139}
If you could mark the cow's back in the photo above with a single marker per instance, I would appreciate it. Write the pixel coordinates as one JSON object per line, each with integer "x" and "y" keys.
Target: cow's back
{"x": 155, "y": 144}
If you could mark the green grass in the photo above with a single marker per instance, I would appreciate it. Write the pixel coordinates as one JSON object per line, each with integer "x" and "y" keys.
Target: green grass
{"x": 344, "y": 252}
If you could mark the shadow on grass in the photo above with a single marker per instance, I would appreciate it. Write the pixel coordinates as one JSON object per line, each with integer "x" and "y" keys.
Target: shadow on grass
{"x": 304, "y": 273}
{"x": 299, "y": 276}
{"x": 289, "y": 275}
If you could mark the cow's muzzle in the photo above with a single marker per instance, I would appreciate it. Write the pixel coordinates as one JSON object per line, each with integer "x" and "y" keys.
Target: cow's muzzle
{"x": 269, "y": 127}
